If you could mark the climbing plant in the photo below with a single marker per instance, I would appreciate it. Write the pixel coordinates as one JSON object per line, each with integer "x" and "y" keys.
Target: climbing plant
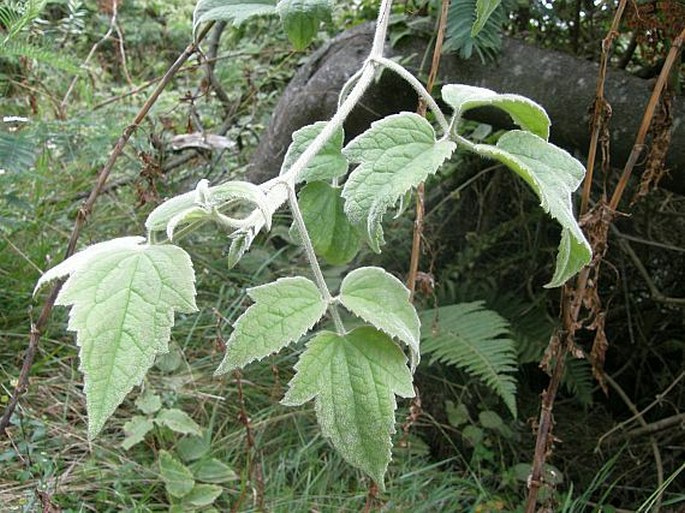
{"x": 124, "y": 293}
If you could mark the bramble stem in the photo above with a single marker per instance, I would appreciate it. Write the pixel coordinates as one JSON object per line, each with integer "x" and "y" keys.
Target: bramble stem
{"x": 313, "y": 262}
{"x": 418, "y": 87}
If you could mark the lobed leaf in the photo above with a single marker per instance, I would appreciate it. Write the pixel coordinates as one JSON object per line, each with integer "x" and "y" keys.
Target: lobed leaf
{"x": 476, "y": 340}
{"x": 123, "y": 297}
{"x": 135, "y": 430}
{"x": 178, "y": 480}
{"x": 394, "y": 155}
{"x": 329, "y": 163}
{"x": 178, "y": 421}
{"x": 523, "y": 111}
{"x": 201, "y": 495}
{"x": 334, "y": 238}
{"x": 354, "y": 378}
{"x": 553, "y": 174}
{"x": 283, "y": 311}
{"x": 213, "y": 471}
{"x": 301, "y": 19}
{"x": 234, "y": 11}
{"x": 383, "y": 301}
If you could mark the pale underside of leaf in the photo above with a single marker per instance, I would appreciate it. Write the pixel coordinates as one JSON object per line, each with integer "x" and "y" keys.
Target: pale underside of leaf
{"x": 354, "y": 378}
{"x": 233, "y": 11}
{"x": 553, "y": 174}
{"x": 523, "y": 111}
{"x": 383, "y": 301}
{"x": 394, "y": 155}
{"x": 123, "y": 310}
{"x": 77, "y": 260}
{"x": 283, "y": 311}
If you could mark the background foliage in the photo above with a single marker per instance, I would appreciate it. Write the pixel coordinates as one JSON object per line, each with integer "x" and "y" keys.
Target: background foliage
{"x": 465, "y": 452}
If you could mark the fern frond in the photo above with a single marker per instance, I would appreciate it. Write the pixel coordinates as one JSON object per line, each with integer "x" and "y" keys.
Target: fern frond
{"x": 458, "y": 38}
{"x": 475, "y": 339}
{"x": 578, "y": 379}
{"x": 19, "y": 48}
{"x": 17, "y": 152}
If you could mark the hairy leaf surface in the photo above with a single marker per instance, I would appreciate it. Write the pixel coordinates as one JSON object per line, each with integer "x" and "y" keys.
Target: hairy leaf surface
{"x": 233, "y": 11}
{"x": 124, "y": 295}
{"x": 472, "y": 338}
{"x": 329, "y": 163}
{"x": 553, "y": 174}
{"x": 524, "y": 112}
{"x": 283, "y": 311}
{"x": 355, "y": 379}
{"x": 301, "y": 19}
{"x": 382, "y": 300}
{"x": 334, "y": 238}
{"x": 394, "y": 155}
{"x": 204, "y": 203}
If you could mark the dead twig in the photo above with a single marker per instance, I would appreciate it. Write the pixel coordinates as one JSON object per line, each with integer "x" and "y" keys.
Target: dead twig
{"x": 420, "y": 191}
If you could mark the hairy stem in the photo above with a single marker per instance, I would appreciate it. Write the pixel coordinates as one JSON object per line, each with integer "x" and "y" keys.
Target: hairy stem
{"x": 416, "y": 84}
{"x": 313, "y": 262}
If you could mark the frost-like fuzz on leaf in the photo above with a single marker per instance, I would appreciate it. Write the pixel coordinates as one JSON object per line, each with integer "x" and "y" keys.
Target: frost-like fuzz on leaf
{"x": 394, "y": 155}
{"x": 553, "y": 174}
{"x": 283, "y": 311}
{"x": 123, "y": 302}
{"x": 329, "y": 163}
{"x": 77, "y": 260}
{"x": 354, "y": 378}
{"x": 382, "y": 300}
{"x": 523, "y": 111}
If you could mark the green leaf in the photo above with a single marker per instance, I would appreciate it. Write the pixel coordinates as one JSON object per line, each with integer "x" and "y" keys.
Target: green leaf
{"x": 178, "y": 480}
{"x": 382, "y": 300}
{"x": 553, "y": 174}
{"x": 124, "y": 295}
{"x": 524, "y": 112}
{"x": 148, "y": 402}
{"x": 17, "y": 151}
{"x": 213, "y": 471}
{"x": 476, "y": 340}
{"x": 234, "y": 11}
{"x": 202, "y": 495}
{"x": 490, "y": 420}
{"x": 192, "y": 448}
{"x": 283, "y": 311}
{"x": 484, "y": 9}
{"x": 460, "y": 20}
{"x": 329, "y": 163}
{"x": 456, "y": 414}
{"x": 394, "y": 155}
{"x": 301, "y": 19}
{"x": 135, "y": 430}
{"x": 178, "y": 421}
{"x": 354, "y": 378}
{"x": 334, "y": 238}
